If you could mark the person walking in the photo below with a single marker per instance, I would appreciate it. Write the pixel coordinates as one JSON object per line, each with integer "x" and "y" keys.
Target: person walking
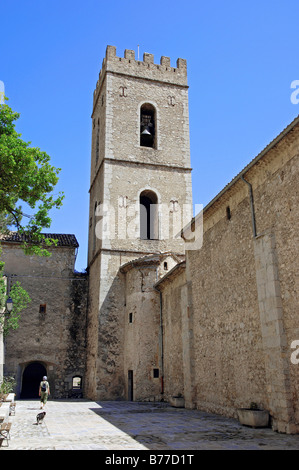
{"x": 44, "y": 391}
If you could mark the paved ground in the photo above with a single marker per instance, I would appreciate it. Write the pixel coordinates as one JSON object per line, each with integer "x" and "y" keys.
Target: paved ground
{"x": 88, "y": 425}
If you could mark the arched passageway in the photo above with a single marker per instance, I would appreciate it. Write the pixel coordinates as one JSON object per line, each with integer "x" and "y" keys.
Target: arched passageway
{"x": 32, "y": 377}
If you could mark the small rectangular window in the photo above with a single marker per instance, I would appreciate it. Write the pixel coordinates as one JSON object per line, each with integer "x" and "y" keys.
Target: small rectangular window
{"x": 42, "y": 308}
{"x": 130, "y": 317}
{"x": 156, "y": 373}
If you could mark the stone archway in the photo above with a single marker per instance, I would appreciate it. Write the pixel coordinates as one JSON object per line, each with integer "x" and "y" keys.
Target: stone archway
{"x": 32, "y": 376}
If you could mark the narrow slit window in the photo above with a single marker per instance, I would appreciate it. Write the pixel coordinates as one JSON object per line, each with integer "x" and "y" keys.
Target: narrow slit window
{"x": 42, "y": 308}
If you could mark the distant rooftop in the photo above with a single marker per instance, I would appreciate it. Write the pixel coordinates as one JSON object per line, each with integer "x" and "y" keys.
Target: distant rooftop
{"x": 63, "y": 239}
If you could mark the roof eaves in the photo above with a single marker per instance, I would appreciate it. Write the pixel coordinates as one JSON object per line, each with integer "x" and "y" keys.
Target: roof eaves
{"x": 241, "y": 174}
{"x": 62, "y": 238}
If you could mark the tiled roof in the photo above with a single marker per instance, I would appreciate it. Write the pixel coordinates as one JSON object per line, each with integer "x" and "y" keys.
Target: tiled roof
{"x": 154, "y": 258}
{"x": 62, "y": 238}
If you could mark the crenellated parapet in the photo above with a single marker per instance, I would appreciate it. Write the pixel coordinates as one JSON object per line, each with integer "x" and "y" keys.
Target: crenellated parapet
{"x": 146, "y": 68}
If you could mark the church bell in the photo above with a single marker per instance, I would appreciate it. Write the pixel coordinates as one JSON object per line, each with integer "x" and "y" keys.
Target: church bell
{"x": 146, "y": 131}
{"x": 146, "y": 137}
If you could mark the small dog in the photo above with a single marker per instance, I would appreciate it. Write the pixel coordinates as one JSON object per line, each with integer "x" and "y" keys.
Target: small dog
{"x": 40, "y": 417}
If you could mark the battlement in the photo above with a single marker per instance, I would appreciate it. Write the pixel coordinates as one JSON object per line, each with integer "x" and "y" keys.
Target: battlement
{"x": 144, "y": 69}
{"x": 147, "y": 59}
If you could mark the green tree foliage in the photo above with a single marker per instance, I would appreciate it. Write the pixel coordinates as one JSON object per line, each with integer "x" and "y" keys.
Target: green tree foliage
{"x": 7, "y": 386}
{"x": 26, "y": 176}
{"x": 20, "y": 300}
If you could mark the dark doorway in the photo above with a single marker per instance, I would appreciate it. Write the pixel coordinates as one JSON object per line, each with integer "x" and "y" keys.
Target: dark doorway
{"x": 130, "y": 385}
{"x": 32, "y": 376}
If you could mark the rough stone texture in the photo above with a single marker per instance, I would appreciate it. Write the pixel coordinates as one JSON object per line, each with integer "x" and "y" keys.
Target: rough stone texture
{"x": 143, "y": 348}
{"x": 141, "y": 331}
{"x": 173, "y": 323}
{"x": 228, "y": 316}
{"x": 56, "y": 338}
{"x": 120, "y": 170}
{"x": 131, "y": 426}
{"x": 244, "y": 297}
{"x": 272, "y": 328}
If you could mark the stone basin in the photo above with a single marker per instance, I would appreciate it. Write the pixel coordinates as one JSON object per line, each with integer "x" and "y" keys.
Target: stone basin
{"x": 253, "y": 418}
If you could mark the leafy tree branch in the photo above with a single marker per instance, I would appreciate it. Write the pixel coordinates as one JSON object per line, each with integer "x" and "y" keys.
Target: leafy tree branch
{"x": 27, "y": 176}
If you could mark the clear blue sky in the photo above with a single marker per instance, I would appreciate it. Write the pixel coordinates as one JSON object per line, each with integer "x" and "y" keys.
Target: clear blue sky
{"x": 242, "y": 57}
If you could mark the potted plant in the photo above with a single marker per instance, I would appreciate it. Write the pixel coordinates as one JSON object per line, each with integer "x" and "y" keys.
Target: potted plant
{"x": 253, "y": 416}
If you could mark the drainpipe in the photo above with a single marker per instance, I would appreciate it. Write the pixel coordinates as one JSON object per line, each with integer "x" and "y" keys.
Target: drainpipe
{"x": 161, "y": 342}
{"x": 251, "y": 207}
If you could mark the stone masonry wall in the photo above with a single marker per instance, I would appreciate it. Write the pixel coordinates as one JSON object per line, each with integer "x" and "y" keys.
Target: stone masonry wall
{"x": 173, "y": 310}
{"x": 54, "y": 338}
{"x": 120, "y": 170}
{"x": 142, "y": 329}
{"x": 245, "y": 295}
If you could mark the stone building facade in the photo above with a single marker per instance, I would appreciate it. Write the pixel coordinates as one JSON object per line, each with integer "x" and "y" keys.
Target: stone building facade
{"x": 140, "y": 177}
{"x": 158, "y": 317}
{"x": 50, "y": 339}
{"x": 238, "y": 295}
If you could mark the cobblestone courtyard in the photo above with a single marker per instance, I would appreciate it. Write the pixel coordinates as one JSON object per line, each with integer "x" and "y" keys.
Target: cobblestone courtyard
{"x": 88, "y": 425}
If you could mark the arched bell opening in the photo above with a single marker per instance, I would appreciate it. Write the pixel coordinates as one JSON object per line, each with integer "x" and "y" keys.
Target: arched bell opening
{"x": 147, "y": 126}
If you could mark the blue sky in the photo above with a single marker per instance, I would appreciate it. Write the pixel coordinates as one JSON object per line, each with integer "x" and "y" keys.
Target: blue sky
{"x": 242, "y": 57}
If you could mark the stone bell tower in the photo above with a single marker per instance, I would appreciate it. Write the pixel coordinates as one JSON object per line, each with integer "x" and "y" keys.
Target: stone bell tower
{"x": 140, "y": 193}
